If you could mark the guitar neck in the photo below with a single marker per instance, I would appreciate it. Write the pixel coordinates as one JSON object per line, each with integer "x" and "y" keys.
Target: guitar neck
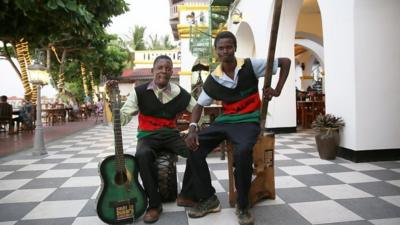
{"x": 119, "y": 147}
{"x": 118, "y": 133}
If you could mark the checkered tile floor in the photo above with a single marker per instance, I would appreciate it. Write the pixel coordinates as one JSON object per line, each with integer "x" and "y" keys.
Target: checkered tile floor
{"x": 61, "y": 187}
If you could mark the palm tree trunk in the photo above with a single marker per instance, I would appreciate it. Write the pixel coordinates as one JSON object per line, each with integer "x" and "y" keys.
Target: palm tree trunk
{"x": 61, "y": 77}
{"x": 28, "y": 61}
{"x": 19, "y": 49}
{"x": 84, "y": 79}
{"x": 92, "y": 82}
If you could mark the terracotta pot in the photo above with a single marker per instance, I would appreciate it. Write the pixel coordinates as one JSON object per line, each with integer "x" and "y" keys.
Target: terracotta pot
{"x": 327, "y": 141}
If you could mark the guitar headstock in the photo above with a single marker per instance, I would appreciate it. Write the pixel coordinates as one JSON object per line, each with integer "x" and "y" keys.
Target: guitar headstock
{"x": 113, "y": 91}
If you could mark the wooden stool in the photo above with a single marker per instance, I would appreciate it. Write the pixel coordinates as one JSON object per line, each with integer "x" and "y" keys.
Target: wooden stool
{"x": 263, "y": 186}
{"x": 167, "y": 177}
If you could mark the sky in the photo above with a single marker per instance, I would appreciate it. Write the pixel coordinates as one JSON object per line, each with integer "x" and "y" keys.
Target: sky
{"x": 153, "y": 14}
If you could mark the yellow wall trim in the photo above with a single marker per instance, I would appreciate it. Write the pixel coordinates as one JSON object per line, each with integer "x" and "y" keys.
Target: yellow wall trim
{"x": 155, "y": 51}
{"x": 185, "y": 73}
{"x": 192, "y": 7}
{"x": 151, "y": 62}
{"x": 304, "y": 77}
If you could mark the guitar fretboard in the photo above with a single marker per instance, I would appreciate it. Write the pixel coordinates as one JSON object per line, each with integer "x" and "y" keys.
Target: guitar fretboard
{"x": 119, "y": 151}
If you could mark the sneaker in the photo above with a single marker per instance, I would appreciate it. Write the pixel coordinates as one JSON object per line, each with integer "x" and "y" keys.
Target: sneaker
{"x": 244, "y": 217}
{"x": 210, "y": 205}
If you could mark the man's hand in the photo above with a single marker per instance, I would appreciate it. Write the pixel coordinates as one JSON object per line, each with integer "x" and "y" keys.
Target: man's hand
{"x": 192, "y": 140}
{"x": 270, "y": 92}
{"x": 284, "y": 64}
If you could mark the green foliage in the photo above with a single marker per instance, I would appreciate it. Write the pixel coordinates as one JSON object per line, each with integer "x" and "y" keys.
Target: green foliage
{"x": 76, "y": 88}
{"x": 167, "y": 44}
{"x": 73, "y": 26}
{"x": 327, "y": 121}
{"x": 136, "y": 38}
{"x": 114, "y": 59}
{"x": 160, "y": 43}
{"x": 37, "y": 21}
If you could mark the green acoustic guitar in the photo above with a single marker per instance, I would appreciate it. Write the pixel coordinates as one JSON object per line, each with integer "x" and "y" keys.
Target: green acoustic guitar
{"x": 121, "y": 199}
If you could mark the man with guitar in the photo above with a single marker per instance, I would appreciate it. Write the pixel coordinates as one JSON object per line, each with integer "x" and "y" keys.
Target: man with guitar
{"x": 158, "y": 104}
{"x": 235, "y": 83}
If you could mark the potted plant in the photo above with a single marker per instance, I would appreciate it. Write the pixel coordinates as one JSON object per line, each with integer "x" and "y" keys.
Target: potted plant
{"x": 327, "y": 137}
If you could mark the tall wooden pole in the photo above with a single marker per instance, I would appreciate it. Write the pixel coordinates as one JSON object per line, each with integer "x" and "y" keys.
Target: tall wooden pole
{"x": 270, "y": 60}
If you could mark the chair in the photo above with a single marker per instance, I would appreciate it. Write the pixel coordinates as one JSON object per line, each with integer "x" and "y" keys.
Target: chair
{"x": 308, "y": 114}
{"x": 165, "y": 165}
{"x": 4, "y": 121}
{"x": 263, "y": 186}
{"x": 6, "y": 117}
{"x": 182, "y": 121}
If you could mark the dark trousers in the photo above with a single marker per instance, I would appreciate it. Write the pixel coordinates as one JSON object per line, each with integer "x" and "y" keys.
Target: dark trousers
{"x": 146, "y": 153}
{"x": 243, "y": 136}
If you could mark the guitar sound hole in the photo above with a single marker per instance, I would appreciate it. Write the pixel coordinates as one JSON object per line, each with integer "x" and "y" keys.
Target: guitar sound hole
{"x": 120, "y": 178}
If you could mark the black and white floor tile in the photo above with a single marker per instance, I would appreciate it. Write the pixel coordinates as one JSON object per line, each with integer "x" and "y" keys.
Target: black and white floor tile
{"x": 61, "y": 187}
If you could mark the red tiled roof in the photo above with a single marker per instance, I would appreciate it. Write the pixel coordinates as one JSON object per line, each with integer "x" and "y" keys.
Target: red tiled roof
{"x": 15, "y": 98}
{"x": 127, "y": 72}
{"x": 143, "y": 73}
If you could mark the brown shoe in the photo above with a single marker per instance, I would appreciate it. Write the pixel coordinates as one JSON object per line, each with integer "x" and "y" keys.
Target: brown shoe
{"x": 184, "y": 202}
{"x": 152, "y": 214}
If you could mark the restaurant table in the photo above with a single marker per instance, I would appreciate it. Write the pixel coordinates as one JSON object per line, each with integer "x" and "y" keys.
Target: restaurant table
{"x": 54, "y": 115}
{"x": 307, "y": 112}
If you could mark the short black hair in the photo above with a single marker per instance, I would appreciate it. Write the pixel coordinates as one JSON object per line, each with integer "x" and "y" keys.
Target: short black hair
{"x": 225, "y": 34}
{"x": 161, "y": 57}
{"x": 3, "y": 98}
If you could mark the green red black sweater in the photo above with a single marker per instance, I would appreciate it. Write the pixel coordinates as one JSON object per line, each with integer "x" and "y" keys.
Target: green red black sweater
{"x": 240, "y": 104}
{"x": 156, "y": 117}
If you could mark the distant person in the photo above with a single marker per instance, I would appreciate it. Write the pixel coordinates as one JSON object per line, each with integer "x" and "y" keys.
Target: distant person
{"x": 99, "y": 106}
{"x": 25, "y": 115}
{"x": 6, "y": 111}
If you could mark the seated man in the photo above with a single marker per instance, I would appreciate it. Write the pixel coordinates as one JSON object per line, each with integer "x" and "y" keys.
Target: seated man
{"x": 158, "y": 103}
{"x": 6, "y": 113}
{"x": 25, "y": 115}
{"x": 235, "y": 83}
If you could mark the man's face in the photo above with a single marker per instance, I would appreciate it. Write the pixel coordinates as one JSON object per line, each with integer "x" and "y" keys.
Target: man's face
{"x": 225, "y": 50}
{"x": 162, "y": 72}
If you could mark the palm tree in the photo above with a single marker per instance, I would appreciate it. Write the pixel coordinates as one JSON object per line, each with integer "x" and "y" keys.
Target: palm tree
{"x": 155, "y": 43}
{"x": 166, "y": 42}
{"x": 135, "y": 38}
{"x": 135, "y": 42}
{"x": 162, "y": 43}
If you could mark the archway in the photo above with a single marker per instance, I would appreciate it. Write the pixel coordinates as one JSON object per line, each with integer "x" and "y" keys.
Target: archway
{"x": 309, "y": 58}
{"x": 245, "y": 40}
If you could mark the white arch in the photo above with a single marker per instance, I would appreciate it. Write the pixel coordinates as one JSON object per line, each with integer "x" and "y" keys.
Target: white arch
{"x": 314, "y": 47}
{"x": 310, "y": 36}
{"x": 245, "y": 40}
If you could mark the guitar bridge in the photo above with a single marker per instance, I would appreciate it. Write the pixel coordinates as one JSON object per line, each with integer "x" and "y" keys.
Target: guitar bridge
{"x": 124, "y": 210}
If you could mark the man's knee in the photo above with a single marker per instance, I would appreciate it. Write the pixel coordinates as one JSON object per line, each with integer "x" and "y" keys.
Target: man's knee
{"x": 243, "y": 150}
{"x": 144, "y": 154}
